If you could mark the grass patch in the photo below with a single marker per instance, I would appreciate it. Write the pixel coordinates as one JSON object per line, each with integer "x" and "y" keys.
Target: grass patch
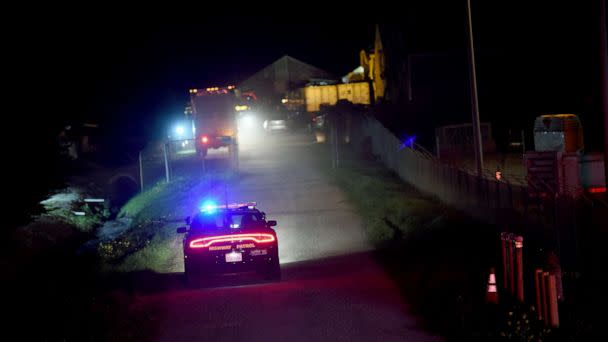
{"x": 169, "y": 200}
{"x": 390, "y": 208}
{"x": 94, "y": 217}
{"x": 144, "y": 199}
{"x": 156, "y": 213}
{"x": 158, "y": 255}
{"x": 437, "y": 256}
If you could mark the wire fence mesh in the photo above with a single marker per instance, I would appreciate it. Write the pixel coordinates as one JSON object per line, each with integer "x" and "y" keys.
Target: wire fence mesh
{"x": 167, "y": 161}
{"x": 510, "y": 202}
{"x": 164, "y": 161}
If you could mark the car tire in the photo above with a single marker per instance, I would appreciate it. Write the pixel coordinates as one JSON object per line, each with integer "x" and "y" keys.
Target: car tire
{"x": 273, "y": 271}
{"x": 192, "y": 278}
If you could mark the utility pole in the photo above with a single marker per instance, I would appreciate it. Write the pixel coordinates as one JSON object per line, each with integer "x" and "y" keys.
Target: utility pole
{"x": 604, "y": 71}
{"x": 474, "y": 101}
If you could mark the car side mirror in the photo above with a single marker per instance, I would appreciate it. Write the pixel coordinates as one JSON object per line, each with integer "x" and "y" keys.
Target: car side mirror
{"x": 271, "y": 223}
{"x": 182, "y": 230}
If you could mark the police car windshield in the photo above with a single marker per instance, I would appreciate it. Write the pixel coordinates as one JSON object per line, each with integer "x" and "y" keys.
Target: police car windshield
{"x": 227, "y": 221}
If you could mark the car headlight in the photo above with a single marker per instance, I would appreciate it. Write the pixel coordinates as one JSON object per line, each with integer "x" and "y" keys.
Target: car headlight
{"x": 247, "y": 120}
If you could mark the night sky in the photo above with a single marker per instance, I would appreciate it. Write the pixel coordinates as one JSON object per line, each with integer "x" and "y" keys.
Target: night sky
{"x": 131, "y": 72}
{"x": 136, "y": 75}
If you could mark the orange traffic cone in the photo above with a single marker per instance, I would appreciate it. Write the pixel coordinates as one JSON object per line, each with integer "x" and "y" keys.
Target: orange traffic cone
{"x": 492, "y": 294}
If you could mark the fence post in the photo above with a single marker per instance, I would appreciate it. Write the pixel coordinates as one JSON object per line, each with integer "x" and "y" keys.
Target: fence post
{"x": 233, "y": 155}
{"x": 512, "y": 263}
{"x": 337, "y": 146}
{"x": 538, "y": 281}
{"x": 552, "y": 305}
{"x": 505, "y": 257}
{"x": 545, "y": 299}
{"x": 497, "y": 206}
{"x": 332, "y": 145}
{"x": 519, "y": 244}
{"x": 166, "y": 163}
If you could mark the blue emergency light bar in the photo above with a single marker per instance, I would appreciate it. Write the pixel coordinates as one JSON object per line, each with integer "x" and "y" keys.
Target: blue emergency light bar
{"x": 209, "y": 207}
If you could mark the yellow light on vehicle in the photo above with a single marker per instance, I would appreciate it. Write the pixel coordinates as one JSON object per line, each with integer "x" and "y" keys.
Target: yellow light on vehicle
{"x": 558, "y": 116}
{"x": 227, "y": 132}
{"x": 241, "y": 108}
{"x": 284, "y": 100}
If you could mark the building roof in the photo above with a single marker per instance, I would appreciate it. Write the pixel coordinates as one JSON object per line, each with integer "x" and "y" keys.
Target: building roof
{"x": 284, "y": 74}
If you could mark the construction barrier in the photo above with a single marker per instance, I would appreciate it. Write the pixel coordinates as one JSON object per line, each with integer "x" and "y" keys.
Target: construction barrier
{"x": 519, "y": 268}
{"x": 513, "y": 265}
{"x": 492, "y": 291}
{"x": 547, "y": 292}
{"x": 546, "y": 298}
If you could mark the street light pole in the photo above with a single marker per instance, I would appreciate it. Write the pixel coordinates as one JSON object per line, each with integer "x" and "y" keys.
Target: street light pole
{"x": 474, "y": 101}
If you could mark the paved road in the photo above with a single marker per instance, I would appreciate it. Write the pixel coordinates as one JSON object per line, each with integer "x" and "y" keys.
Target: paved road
{"x": 332, "y": 289}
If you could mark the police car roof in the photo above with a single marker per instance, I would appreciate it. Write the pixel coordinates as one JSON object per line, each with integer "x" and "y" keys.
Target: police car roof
{"x": 231, "y": 208}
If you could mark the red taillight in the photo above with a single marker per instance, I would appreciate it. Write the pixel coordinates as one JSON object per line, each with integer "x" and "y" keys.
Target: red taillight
{"x": 204, "y": 139}
{"x": 597, "y": 190}
{"x": 208, "y": 241}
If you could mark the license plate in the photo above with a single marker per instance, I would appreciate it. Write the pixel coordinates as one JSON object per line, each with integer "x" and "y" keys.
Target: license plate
{"x": 234, "y": 257}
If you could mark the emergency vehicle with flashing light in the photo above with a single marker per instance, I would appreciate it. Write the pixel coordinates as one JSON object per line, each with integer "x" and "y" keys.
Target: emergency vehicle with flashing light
{"x": 230, "y": 238}
{"x": 214, "y": 118}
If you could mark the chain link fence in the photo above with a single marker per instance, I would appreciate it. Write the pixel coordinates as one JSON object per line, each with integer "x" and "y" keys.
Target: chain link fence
{"x": 563, "y": 234}
{"x": 167, "y": 161}
{"x": 511, "y": 203}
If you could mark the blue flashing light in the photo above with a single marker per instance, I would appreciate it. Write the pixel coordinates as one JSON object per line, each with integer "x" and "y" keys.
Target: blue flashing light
{"x": 209, "y": 207}
{"x": 407, "y": 142}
